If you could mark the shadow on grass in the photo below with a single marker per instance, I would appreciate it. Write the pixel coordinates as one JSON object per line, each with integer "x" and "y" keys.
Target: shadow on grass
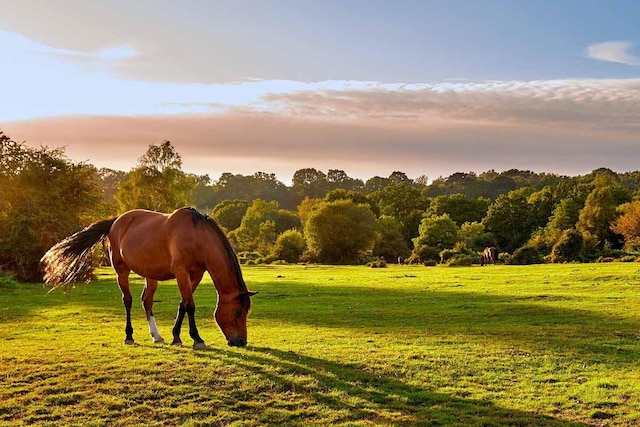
{"x": 361, "y": 396}
{"x": 537, "y": 322}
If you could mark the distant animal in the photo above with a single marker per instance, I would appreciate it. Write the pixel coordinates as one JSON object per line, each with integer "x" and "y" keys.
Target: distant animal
{"x": 181, "y": 245}
{"x": 489, "y": 256}
{"x": 400, "y": 260}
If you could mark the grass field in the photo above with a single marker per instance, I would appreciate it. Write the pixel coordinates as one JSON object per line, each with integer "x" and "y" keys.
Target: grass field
{"x": 546, "y": 345}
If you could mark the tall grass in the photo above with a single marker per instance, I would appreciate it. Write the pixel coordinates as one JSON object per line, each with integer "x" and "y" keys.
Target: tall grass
{"x": 546, "y": 345}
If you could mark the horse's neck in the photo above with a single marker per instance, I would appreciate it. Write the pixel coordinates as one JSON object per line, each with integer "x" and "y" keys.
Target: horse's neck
{"x": 222, "y": 270}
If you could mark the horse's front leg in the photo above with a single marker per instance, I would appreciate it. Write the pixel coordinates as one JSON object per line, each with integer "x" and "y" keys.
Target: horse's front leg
{"x": 188, "y": 306}
{"x": 127, "y": 300}
{"x": 147, "y": 302}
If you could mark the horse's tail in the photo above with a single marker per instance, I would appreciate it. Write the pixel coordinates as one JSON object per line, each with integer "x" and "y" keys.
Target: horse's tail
{"x": 66, "y": 261}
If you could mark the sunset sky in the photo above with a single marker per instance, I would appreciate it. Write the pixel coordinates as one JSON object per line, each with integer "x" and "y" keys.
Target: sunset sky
{"x": 369, "y": 87}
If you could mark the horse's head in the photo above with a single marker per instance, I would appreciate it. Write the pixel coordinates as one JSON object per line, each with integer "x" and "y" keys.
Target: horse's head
{"x": 231, "y": 315}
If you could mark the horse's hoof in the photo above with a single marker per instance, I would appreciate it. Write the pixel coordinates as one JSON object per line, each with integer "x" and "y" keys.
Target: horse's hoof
{"x": 177, "y": 343}
{"x": 199, "y": 345}
{"x": 158, "y": 341}
{"x": 129, "y": 342}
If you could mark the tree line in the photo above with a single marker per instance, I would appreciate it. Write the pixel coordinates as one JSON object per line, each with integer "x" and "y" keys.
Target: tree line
{"x": 325, "y": 217}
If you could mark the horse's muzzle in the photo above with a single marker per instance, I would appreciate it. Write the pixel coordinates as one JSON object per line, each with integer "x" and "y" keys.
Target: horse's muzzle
{"x": 237, "y": 342}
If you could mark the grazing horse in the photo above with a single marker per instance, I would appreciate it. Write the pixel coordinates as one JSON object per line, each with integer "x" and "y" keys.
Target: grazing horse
{"x": 489, "y": 256}
{"x": 182, "y": 245}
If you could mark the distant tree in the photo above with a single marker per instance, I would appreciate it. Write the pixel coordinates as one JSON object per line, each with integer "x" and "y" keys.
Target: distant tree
{"x": 404, "y": 203}
{"x": 44, "y": 197}
{"x": 109, "y": 181}
{"x": 628, "y": 224}
{"x": 306, "y": 206}
{"x": 375, "y": 184}
{"x": 309, "y": 182}
{"x": 459, "y": 208}
{"x": 390, "y": 243}
{"x": 289, "y": 246}
{"x": 229, "y": 213}
{"x": 437, "y": 231}
{"x": 599, "y": 211}
{"x": 158, "y": 183}
{"x": 508, "y": 218}
{"x": 261, "y": 224}
{"x": 337, "y": 232}
{"x": 203, "y": 195}
{"x": 568, "y": 247}
{"x": 337, "y": 178}
{"x": 355, "y": 196}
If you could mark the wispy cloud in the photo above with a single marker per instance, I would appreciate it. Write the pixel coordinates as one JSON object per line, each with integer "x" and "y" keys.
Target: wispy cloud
{"x": 614, "y": 51}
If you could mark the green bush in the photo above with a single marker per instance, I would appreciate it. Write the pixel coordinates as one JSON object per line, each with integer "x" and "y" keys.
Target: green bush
{"x": 526, "y": 255}
{"x": 460, "y": 260}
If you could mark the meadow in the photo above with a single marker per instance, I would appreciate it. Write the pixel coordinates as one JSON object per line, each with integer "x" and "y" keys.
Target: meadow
{"x": 543, "y": 345}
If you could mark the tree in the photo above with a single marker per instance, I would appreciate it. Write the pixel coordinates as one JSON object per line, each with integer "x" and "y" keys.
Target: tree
{"x": 390, "y": 243}
{"x": 628, "y": 224}
{"x": 229, "y": 213}
{"x": 459, "y": 208}
{"x": 404, "y": 203}
{"x": 598, "y": 212}
{"x": 289, "y": 246}
{"x": 337, "y": 232}
{"x": 44, "y": 197}
{"x": 509, "y": 219}
{"x": 438, "y": 232}
{"x": 262, "y": 222}
{"x": 158, "y": 183}
{"x": 309, "y": 182}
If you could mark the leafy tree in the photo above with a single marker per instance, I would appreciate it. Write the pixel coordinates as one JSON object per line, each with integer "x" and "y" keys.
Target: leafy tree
{"x": 404, "y": 203}
{"x": 306, "y": 206}
{"x": 229, "y": 213}
{"x": 337, "y": 232}
{"x": 44, "y": 197}
{"x": 438, "y": 232}
{"x": 598, "y": 212}
{"x": 337, "y": 178}
{"x": 262, "y": 222}
{"x": 158, "y": 183}
{"x": 509, "y": 219}
{"x": 355, "y": 196}
{"x": 568, "y": 247}
{"x": 390, "y": 243}
{"x": 628, "y": 224}
{"x": 459, "y": 208}
{"x": 309, "y": 182}
{"x": 289, "y": 246}
{"x": 260, "y": 185}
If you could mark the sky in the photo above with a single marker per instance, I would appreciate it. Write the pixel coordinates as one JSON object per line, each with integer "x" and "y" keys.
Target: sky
{"x": 366, "y": 86}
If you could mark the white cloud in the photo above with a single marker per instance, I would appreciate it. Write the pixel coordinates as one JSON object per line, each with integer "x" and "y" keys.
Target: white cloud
{"x": 614, "y": 51}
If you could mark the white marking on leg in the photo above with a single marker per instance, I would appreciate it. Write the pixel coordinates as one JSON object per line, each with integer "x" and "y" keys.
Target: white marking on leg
{"x": 153, "y": 330}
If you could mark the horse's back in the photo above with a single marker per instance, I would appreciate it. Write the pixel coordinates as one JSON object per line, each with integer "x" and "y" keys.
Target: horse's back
{"x": 147, "y": 242}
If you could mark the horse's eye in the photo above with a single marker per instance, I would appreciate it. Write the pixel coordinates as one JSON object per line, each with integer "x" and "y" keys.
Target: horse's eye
{"x": 238, "y": 313}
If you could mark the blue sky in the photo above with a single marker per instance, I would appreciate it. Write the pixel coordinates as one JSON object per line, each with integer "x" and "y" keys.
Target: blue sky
{"x": 370, "y": 87}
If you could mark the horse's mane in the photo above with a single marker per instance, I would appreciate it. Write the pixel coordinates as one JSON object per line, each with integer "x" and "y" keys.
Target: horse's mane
{"x": 200, "y": 219}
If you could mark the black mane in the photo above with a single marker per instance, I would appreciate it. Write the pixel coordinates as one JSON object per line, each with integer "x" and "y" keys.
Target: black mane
{"x": 200, "y": 219}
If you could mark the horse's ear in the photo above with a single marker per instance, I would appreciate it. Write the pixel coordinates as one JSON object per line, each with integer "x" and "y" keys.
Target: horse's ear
{"x": 250, "y": 293}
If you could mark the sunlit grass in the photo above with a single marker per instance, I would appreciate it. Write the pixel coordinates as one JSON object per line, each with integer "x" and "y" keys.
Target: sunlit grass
{"x": 499, "y": 345}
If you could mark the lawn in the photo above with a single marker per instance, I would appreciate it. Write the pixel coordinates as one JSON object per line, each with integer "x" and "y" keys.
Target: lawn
{"x": 544, "y": 345}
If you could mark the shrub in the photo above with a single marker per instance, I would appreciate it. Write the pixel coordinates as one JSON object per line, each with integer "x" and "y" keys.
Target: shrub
{"x": 526, "y": 255}
{"x": 289, "y": 246}
{"x": 568, "y": 247}
{"x": 460, "y": 260}
{"x": 424, "y": 253}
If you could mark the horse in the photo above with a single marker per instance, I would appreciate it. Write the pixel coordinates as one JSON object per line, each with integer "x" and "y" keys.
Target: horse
{"x": 489, "y": 255}
{"x": 157, "y": 246}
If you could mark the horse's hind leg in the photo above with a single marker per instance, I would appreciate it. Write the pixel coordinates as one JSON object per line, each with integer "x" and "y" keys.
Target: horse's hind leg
{"x": 127, "y": 300}
{"x": 147, "y": 302}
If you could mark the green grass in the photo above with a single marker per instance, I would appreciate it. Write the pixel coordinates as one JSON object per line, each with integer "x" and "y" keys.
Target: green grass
{"x": 547, "y": 345}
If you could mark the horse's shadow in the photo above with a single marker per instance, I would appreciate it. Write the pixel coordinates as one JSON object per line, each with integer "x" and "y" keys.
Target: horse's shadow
{"x": 369, "y": 397}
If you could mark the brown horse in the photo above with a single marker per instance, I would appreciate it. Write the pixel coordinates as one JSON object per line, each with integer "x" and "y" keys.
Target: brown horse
{"x": 489, "y": 256}
{"x": 182, "y": 245}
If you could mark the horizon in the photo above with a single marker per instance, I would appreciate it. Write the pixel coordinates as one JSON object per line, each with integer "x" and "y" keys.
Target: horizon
{"x": 422, "y": 87}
